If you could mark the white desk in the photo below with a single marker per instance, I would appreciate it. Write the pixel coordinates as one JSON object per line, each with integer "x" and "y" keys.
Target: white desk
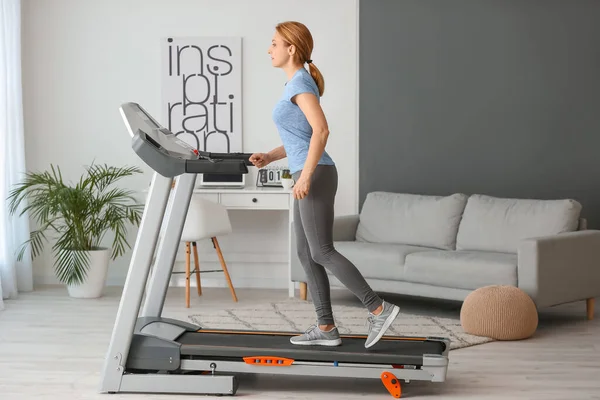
{"x": 256, "y": 198}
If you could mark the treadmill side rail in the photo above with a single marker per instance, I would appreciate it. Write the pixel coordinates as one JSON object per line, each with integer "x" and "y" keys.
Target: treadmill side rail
{"x": 341, "y": 370}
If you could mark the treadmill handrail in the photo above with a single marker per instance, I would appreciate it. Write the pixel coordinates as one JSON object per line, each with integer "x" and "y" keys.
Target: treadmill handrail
{"x": 237, "y": 156}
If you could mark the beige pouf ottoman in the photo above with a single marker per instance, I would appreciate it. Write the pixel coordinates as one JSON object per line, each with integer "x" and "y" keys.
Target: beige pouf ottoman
{"x": 499, "y": 312}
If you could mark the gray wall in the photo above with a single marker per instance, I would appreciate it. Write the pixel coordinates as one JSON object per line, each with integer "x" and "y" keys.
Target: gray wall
{"x": 500, "y": 97}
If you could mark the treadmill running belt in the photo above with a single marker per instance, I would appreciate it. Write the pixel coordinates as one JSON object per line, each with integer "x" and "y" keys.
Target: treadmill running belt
{"x": 352, "y": 350}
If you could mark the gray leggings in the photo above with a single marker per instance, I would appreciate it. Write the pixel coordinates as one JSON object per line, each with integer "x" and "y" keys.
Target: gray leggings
{"x": 313, "y": 224}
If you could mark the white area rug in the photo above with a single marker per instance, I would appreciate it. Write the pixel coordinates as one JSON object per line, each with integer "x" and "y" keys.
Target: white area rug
{"x": 298, "y": 315}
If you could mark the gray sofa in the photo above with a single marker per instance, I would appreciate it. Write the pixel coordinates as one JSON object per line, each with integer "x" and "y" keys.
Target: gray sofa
{"x": 447, "y": 246}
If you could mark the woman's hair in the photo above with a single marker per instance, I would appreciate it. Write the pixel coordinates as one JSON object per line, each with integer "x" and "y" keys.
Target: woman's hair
{"x": 297, "y": 34}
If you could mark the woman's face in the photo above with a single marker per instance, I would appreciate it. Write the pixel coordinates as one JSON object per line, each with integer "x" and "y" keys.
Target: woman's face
{"x": 279, "y": 52}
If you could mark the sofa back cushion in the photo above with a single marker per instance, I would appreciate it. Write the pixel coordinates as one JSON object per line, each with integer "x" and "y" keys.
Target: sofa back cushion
{"x": 420, "y": 220}
{"x": 498, "y": 224}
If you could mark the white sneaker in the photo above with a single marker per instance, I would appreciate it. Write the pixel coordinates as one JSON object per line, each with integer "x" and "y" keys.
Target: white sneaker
{"x": 315, "y": 336}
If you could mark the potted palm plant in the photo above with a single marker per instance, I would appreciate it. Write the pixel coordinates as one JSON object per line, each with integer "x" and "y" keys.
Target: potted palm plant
{"x": 80, "y": 215}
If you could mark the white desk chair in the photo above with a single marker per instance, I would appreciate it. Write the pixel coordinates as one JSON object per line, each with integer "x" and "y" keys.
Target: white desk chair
{"x": 205, "y": 219}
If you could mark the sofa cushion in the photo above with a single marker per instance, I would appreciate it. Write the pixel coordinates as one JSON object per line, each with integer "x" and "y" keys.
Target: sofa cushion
{"x": 461, "y": 269}
{"x": 377, "y": 260}
{"x": 498, "y": 224}
{"x": 419, "y": 220}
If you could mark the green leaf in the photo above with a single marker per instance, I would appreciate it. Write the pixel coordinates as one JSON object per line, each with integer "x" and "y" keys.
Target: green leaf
{"x": 71, "y": 267}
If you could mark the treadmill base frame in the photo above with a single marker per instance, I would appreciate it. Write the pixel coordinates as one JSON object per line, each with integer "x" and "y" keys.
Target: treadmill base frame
{"x": 434, "y": 370}
{"x": 179, "y": 384}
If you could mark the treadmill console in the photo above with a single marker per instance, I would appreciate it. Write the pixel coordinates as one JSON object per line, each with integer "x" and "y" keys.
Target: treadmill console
{"x": 169, "y": 156}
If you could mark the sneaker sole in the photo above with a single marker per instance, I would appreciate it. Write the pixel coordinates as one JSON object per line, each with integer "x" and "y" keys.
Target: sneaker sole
{"x": 335, "y": 342}
{"x": 386, "y": 325}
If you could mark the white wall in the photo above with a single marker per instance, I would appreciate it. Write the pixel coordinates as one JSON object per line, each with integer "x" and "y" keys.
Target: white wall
{"x": 82, "y": 59}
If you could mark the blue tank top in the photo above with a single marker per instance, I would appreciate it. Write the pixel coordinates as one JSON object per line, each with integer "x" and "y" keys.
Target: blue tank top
{"x": 293, "y": 127}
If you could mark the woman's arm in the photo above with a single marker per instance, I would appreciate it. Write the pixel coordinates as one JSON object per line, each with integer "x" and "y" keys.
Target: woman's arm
{"x": 311, "y": 108}
{"x": 277, "y": 154}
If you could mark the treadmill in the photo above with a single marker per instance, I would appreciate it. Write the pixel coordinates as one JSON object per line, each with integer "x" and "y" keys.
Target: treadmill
{"x": 152, "y": 354}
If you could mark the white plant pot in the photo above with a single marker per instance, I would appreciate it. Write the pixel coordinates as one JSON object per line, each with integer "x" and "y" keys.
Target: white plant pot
{"x": 95, "y": 281}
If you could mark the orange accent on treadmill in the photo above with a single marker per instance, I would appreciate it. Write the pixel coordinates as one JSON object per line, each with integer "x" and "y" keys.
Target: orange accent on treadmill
{"x": 392, "y": 384}
{"x": 268, "y": 361}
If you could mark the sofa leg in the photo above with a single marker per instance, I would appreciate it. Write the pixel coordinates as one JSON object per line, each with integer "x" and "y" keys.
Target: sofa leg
{"x": 303, "y": 290}
{"x": 590, "y": 308}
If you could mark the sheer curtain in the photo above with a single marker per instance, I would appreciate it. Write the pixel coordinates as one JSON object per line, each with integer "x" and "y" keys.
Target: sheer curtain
{"x": 15, "y": 276}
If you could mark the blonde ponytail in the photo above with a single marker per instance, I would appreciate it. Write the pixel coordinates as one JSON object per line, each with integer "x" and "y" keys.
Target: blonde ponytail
{"x": 318, "y": 77}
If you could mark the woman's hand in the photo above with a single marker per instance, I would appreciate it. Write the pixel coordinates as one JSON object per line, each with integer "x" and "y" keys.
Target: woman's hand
{"x": 260, "y": 159}
{"x": 301, "y": 187}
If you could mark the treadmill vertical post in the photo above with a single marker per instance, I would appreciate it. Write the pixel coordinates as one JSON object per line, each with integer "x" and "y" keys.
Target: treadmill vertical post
{"x": 137, "y": 277}
{"x": 169, "y": 244}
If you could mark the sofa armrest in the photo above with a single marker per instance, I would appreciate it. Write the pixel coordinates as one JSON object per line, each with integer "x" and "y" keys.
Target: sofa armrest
{"x": 344, "y": 228}
{"x": 560, "y": 268}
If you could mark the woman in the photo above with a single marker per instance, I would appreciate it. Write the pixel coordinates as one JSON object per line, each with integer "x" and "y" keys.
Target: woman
{"x": 303, "y": 129}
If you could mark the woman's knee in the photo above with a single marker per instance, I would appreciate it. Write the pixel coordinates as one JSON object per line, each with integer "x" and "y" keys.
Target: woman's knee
{"x": 323, "y": 254}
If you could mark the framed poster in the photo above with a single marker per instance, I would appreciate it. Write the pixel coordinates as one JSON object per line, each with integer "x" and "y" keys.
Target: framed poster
{"x": 202, "y": 91}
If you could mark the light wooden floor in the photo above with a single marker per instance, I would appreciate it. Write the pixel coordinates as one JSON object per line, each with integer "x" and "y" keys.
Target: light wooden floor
{"x": 52, "y": 347}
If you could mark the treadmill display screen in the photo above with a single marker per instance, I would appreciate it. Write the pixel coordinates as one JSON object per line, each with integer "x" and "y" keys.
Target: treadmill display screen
{"x": 137, "y": 119}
